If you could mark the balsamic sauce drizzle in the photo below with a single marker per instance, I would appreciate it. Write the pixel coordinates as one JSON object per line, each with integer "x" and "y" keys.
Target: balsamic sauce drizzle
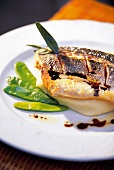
{"x": 95, "y": 123}
{"x": 82, "y": 125}
{"x": 36, "y": 116}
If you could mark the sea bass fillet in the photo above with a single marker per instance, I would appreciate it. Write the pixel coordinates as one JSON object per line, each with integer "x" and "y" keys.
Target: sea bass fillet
{"x": 78, "y": 73}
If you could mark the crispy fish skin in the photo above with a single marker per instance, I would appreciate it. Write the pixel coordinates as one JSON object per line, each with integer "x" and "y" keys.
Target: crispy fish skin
{"x": 78, "y": 73}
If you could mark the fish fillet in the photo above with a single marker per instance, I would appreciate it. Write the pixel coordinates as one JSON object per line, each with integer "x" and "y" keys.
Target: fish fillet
{"x": 80, "y": 78}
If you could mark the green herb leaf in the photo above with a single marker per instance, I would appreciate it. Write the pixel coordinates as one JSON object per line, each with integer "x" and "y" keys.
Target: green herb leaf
{"x": 35, "y": 46}
{"x": 50, "y": 41}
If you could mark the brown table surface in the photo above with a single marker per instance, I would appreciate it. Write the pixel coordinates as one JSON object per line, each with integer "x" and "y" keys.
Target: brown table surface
{"x": 13, "y": 159}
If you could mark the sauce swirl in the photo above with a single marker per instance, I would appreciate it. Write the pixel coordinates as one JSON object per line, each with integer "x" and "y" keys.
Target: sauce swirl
{"x": 96, "y": 123}
{"x": 82, "y": 125}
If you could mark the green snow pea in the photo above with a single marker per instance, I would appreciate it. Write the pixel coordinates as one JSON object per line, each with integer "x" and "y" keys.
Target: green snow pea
{"x": 38, "y": 106}
{"x": 24, "y": 73}
{"x": 35, "y": 94}
{"x": 26, "y": 86}
{"x": 18, "y": 81}
{"x": 14, "y": 80}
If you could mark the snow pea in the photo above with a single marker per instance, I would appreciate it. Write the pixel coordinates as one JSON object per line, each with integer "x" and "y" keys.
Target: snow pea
{"x": 24, "y": 73}
{"x": 35, "y": 94}
{"x": 14, "y": 80}
{"x": 38, "y": 106}
{"x": 18, "y": 81}
{"x": 23, "y": 88}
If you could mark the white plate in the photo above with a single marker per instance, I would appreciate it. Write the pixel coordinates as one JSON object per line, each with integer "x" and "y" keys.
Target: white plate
{"x": 50, "y": 138}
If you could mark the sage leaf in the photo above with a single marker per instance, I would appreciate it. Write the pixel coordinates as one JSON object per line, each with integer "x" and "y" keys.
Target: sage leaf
{"x": 50, "y": 41}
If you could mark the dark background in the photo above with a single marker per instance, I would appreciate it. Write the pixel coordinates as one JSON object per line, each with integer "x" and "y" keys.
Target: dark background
{"x": 16, "y": 13}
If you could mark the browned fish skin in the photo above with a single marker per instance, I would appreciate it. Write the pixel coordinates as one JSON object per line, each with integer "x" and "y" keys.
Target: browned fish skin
{"x": 110, "y": 76}
{"x": 94, "y": 67}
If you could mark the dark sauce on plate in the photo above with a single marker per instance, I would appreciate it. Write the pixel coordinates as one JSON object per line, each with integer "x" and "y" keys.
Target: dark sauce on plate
{"x": 36, "y": 116}
{"x": 95, "y": 123}
{"x": 68, "y": 124}
{"x": 82, "y": 125}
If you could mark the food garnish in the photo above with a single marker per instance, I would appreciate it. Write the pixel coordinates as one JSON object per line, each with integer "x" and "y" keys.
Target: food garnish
{"x": 24, "y": 87}
{"x": 38, "y": 106}
{"x": 50, "y": 41}
{"x": 24, "y": 73}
